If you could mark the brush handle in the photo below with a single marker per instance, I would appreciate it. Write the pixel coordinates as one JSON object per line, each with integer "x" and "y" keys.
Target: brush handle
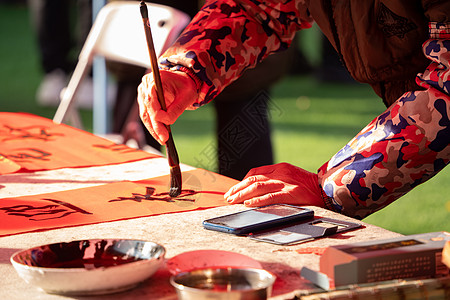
{"x": 152, "y": 53}
{"x": 170, "y": 144}
{"x": 172, "y": 156}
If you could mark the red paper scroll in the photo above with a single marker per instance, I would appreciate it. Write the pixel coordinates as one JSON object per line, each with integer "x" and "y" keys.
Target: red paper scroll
{"x": 32, "y": 143}
{"x": 116, "y": 201}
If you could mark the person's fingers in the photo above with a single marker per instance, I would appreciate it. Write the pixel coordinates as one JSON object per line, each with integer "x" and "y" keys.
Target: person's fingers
{"x": 253, "y": 176}
{"x": 280, "y": 183}
{"x": 268, "y": 169}
{"x": 161, "y": 135}
{"x": 165, "y": 118}
{"x": 239, "y": 186}
{"x": 268, "y": 199}
{"x": 180, "y": 92}
{"x": 146, "y": 107}
{"x": 255, "y": 189}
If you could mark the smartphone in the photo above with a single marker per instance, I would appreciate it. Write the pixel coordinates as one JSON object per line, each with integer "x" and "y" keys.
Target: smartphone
{"x": 260, "y": 218}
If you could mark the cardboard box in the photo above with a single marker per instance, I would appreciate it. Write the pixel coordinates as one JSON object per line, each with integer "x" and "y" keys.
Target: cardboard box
{"x": 446, "y": 254}
{"x": 415, "y": 256}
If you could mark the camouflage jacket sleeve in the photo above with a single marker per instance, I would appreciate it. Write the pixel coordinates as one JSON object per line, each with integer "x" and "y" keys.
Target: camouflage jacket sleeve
{"x": 227, "y": 37}
{"x": 400, "y": 149}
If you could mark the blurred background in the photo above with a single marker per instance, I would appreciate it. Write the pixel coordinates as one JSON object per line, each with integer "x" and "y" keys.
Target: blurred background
{"x": 312, "y": 113}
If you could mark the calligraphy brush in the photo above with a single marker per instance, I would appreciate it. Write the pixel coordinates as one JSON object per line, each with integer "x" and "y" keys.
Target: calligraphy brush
{"x": 172, "y": 155}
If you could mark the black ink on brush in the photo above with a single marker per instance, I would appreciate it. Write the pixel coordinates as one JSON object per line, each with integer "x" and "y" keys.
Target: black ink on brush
{"x": 172, "y": 155}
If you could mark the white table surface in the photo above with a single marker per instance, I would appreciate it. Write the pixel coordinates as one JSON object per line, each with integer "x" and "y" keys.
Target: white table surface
{"x": 178, "y": 233}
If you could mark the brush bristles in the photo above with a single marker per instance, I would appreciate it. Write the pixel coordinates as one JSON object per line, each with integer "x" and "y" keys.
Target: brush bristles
{"x": 175, "y": 181}
{"x": 174, "y": 163}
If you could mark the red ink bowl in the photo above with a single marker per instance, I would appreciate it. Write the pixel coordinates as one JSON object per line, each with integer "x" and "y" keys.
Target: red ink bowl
{"x": 89, "y": 267}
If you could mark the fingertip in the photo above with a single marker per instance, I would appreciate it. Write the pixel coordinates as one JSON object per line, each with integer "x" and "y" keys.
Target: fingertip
{"x": 159, "y": 141}
{"x": 162, "y": 116}
{"x": 163, "y": 138}
{"x": 248, "y": 203}
{"x": 227, "y": 194}
{"x": 230, "y": 199}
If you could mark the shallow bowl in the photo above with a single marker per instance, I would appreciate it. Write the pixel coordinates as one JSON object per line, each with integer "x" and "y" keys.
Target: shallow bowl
{"x": 87, "y": 267}
{"x": 224, "y": 283}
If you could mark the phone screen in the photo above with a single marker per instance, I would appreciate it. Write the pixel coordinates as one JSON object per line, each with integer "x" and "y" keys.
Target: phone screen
{"x": 258, "y": 218}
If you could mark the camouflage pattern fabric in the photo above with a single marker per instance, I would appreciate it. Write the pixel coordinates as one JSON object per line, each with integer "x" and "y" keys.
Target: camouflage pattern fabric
{"x": 403, "y": 147}
{"x": 400, "y": 149}
{"x": 233, "y": 40}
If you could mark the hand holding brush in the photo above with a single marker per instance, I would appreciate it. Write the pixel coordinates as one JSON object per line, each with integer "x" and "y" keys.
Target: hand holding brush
{"x": 172, "y": 155}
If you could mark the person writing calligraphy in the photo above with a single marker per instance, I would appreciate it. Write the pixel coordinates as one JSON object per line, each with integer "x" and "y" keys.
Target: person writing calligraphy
{"x": 400, "y": 47}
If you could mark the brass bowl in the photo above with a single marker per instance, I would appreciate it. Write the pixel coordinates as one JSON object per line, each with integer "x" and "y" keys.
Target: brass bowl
{"x": 224, "y": 283}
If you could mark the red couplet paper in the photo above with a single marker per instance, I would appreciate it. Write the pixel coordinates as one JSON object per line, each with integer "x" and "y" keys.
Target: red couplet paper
{"x": 111, "y": 202}
{"x": 32, "y": 143}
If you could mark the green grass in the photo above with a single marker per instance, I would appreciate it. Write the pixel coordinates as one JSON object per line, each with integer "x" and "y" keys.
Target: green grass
{"x": 20, "y": 70}
{"x": 19, "y": 65}
{"x": 310, "y": 123}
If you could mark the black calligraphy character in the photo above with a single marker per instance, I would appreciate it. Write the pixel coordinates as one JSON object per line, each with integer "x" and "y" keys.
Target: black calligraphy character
{"x": 58, "y": 210}
{"x": 30, "y": 132}
{"x": 150, "y": 195}
{"x": 33, "y": 154}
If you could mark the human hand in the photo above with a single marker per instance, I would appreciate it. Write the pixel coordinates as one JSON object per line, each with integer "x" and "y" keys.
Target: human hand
{"x": 180, "y": 92}
{"x": 280, "y": 183}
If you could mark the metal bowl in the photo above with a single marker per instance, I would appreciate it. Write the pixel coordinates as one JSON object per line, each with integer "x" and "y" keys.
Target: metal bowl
{"x": 88, "y": 267}
{"x": 223, "y": 283}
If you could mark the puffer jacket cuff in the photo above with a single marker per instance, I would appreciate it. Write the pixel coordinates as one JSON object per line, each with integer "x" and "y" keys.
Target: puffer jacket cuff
{"x": 327, "y": 200}
{"x": 437, "y": 30}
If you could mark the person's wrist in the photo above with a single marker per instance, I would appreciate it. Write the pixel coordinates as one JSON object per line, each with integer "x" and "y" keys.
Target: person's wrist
{"x": 327, "y": 200}
{"x": 198, "y": 82}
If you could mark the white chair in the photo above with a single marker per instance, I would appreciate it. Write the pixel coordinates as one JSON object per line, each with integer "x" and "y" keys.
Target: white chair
{"x": 118, "y": 34}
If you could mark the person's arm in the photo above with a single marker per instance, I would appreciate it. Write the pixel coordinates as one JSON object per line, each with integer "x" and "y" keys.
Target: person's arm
{"x": 227, "y": 37}
{"x": 223, "y": 40}
{"x": 400, "y": 149}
